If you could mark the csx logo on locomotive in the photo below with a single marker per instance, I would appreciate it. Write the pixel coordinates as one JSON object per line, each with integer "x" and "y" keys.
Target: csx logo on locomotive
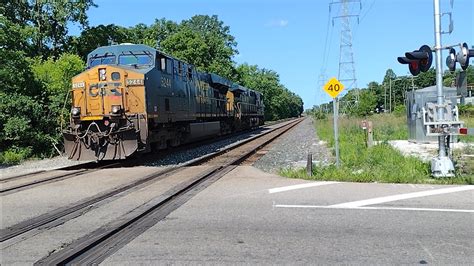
{"x": 133, "y": 98}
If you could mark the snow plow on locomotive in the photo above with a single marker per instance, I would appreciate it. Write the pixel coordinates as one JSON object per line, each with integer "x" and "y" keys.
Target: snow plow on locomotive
{"x": 133, "y": 98}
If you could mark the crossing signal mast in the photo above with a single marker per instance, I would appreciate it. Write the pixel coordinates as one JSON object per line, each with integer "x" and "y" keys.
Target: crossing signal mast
{"x": 441, "y": 118}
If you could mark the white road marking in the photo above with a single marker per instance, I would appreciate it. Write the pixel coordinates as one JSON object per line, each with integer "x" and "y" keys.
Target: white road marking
{"x": 300, "y": 186}
{"x": 425, "y": 193}
{"x": 372, "y": 208}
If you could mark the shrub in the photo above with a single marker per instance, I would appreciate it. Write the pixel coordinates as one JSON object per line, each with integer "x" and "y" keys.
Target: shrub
{"x": 15, "y": 155}
{"x": 466, "y": 109}
{"x": 400, "y": 110}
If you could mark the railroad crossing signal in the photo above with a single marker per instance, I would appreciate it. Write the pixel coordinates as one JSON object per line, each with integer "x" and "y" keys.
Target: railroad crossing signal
{"x": 333, "y": 87}
{"x": 418, "y": 60}
{"x": 462, "y": 57}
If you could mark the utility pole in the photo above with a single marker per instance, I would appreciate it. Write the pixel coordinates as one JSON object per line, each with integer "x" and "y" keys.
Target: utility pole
{"x": 390, "y": 91}
{"x": 441, "y": 166}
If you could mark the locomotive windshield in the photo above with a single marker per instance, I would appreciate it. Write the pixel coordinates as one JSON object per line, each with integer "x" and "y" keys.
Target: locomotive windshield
{"x": 106, "y": 59}
{"x": 135, "y": 58}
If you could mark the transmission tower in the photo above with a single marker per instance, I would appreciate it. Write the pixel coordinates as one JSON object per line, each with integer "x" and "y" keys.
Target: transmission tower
{"x": 346, "y": 73}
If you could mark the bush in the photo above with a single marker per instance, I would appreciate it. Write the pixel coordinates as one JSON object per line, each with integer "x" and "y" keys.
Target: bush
{"x": 15, "y": 155}
{"x": 400, "y": 110}
{"x": 319, "y": 115}
{"x": 466, "y": 109}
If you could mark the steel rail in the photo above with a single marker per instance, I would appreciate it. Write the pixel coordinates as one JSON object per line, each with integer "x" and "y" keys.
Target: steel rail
{"x": 66, "y": 168}
{"x": 56, "y": 178}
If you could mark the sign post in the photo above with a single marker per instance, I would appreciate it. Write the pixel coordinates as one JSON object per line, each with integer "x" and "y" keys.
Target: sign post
{"x": 333, "y": 87}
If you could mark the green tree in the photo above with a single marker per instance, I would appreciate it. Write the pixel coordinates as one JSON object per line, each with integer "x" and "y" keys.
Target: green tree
{"x": 46, "y": 22}
{"x": 154, "y": 34}
{"x": 279, "y": 101}
{"x": 205, "y": 42}
{"x": 379, "y": 92}
{"x": 389, "y": 75}
{"x": 55, "y": 77}
{"x": 426, "y": 79}
{"x": 367, "y": 103}
{"x": 101, "y": 35}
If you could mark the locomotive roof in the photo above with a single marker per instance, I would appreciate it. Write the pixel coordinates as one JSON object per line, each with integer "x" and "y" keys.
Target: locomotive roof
{"x": 119, "y": 48}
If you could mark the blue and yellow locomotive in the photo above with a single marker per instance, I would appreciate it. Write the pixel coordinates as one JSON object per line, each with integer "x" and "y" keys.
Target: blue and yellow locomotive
{"x": 133, "y": 98}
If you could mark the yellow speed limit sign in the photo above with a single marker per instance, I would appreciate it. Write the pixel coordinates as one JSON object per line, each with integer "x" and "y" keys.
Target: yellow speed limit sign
{"x": 333, "y": 87}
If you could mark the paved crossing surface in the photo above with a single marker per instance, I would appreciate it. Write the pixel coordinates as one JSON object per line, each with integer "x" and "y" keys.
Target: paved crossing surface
{"x": 253, "y": 217}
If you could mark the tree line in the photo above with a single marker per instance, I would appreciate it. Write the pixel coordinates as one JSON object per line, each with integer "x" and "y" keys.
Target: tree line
{"x": 38, "y": 58}
{"x": 390, "y": 94}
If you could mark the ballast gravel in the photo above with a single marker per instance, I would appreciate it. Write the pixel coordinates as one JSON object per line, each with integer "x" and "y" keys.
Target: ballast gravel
{"x": 31, "y": 166}
{"x": 172, "y": 158}
{"x": 292, "y": 149}
{"x": 181, "y": 157}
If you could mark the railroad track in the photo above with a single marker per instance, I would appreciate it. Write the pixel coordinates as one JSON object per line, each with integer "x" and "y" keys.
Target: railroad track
{"x": 95, "y": 247}
{"x": 61, "y": 215}
{"x": 14, "y": 184}
{"x": 10, "y": 184}
{"x": 66, "y": 168}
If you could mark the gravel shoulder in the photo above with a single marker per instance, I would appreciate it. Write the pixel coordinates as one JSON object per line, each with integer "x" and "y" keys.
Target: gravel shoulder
{"x": 36, "y": 165}
{"x": 293, "y": 148}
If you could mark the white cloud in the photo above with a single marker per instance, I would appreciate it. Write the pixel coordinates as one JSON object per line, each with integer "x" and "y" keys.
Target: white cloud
{"x": 277, "y": 23}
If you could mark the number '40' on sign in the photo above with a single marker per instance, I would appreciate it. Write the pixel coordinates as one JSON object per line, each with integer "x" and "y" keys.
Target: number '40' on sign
{"x": 333, "y": 87}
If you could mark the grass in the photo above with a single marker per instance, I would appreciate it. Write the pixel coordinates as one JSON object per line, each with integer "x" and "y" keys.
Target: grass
{"x": 468, "y": 122}
{"x": 465, "y": 164}
{"x": 380, "y": 163}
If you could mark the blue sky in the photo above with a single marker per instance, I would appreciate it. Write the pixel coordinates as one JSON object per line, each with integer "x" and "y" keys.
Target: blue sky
{"x": 289, "y": 36}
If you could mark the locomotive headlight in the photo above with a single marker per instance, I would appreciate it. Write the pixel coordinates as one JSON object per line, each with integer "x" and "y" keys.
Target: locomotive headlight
{"x": 102, "y": 74}
{"x": 76, "y": 111}
{"x": 116, "y": 109}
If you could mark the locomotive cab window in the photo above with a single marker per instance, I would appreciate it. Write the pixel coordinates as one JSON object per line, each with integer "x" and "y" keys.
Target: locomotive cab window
{"x": 169, "y": 66}
{"x": 185, "y": 72}
{"x": 136, "y": 59}
{"x": 180, "y": 68}
{"x": 163, "y": 64}
{"x": 190, "y": 73}
{"x": 105, "y": 59}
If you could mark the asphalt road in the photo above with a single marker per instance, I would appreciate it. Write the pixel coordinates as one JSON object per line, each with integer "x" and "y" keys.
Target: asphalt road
{"x": 254, "y": 218}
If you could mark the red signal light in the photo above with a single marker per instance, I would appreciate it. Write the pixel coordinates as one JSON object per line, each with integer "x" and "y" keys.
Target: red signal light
{"x": 418, "y": 60}
{"x": 414, "y": 67}
{"x": 463, "y": 131}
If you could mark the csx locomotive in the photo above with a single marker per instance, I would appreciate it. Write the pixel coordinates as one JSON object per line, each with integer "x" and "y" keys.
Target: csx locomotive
{"x": 133, "y": 98}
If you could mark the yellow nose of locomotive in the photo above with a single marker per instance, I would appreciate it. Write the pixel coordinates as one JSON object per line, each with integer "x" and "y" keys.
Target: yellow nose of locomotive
{"x": 105, "y": 101}
{"x": 105, "y": 91}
